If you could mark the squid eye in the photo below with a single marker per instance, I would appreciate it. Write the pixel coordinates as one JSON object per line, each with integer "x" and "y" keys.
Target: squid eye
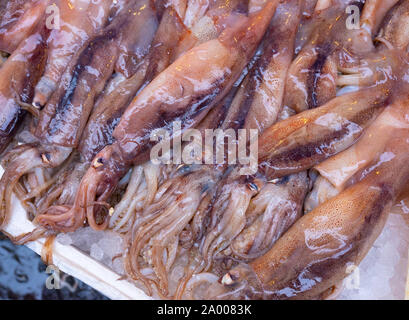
{"x": 98, "y": 163}
{"x": 252, "y": 186}
{"x": 46, "y": 158}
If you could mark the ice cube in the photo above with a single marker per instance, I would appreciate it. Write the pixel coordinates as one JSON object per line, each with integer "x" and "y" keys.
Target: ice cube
{"x": 83, "y": 238}
{"x": 64, "y": 239}
{"x": 383, "y": 271}
{"x": 118, "y": 266}
{"x": 111, "y": 244}
{"x": 96, "y": 252}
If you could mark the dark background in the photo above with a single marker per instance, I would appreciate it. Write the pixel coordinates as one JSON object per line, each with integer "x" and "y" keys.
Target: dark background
{"x": 23, "y": 277}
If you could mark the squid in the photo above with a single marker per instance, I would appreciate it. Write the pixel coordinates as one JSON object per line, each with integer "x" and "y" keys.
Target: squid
{"x": 166, "y": 208}
{"x": 342, "y": 167}
{"x": 380, "y": 74}
{"x": 341, "y": 121}
{"x": 80, "y": 104}
{"x": 374, "y": 13}
{"x": 62, "y": 121}
{"x": 109, "y": 108}
{"x": 79, "y": 21}
{"x": 19, "y": 74}
{"x": 321, "y": 191}
{"x": 150, "y": 181}
{"x": 337, "y": 129}
{"x": 233, "y": 219}
{"x": 312, "y": 256}
{"x": 49, "y": 52}
{"x": 340, "y": 209}
{"x": 353, "y": 162}
{"x": 179, "y": 6}
{"x": 18, "y": 20}
{"x": 190, "y": 83}
{"x": 332, "y": 49}
{"x": 207, "y": 20}
{"x": 195, "y": 10}
{"x": 270, "y": 213}
{"x": 331, "y": 181}
{"x": 140, "y": 190}
{"x": 255, "y": 105}
{"x": 394, "y": 29}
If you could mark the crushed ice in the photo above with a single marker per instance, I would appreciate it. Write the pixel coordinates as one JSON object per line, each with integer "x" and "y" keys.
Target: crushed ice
{"x": 105, "y": 247}
{"x": 381, "y": 275}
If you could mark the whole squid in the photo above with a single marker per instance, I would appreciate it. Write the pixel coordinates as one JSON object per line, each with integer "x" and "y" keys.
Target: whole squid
{"x": 234, "y": 192}
{"x": 166, "y": 46}
{"x": 312, "y": 136}
{"x": 62, "y": 121}
{"x": 312, "y": 257}
{"x": 181, "y": 204}
{"x": 332, "y": 180}
{"x": 146, "y": 179}
{"x": 186, "y": 90}
{"x": 109, "y": 108}
{"x": 292, "y": 146}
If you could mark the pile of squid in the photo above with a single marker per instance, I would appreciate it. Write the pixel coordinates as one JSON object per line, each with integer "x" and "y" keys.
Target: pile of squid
{"x": 327, "y": 94}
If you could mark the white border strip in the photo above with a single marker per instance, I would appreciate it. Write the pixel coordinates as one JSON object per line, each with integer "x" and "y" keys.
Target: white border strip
{"x": 74, "y": 262}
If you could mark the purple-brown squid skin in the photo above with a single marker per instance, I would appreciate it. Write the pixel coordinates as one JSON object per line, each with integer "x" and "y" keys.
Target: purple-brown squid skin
{"x": 182, "y": 197}
{"x": 78, "y": 21}
{"x": 61, "y": 122}
{"x": 18, "y": 76}
{"x": 253, "y": 98}
{"x": 258, "y": 96}
{"x": 304, "y": 140}
{"x": 18, "y": 20}
{"x": 391, "y": 123}
{"x": 255, "y": 105}
{"x": 270, "y": 214}
{"x": 110, "y": 107}
{"x": 351, "y": 165}
{"x": 195, "y": 10}
{"x": 190, "y": 82}
{"x": 179, "y": 6}
{"x": 374, "y": 13}
{"x": 263, "y": 90}
{"x": 63, "y": 119}
{"x": 307, "y": 24}
{"x": 394, "y": 28}
{"x": 312, "y": 79}
{"x": 277, "y": 205}
{"x": 257, "y": 108}
{"x": 215, "y": 20}
{"x": 314, "y": 254}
